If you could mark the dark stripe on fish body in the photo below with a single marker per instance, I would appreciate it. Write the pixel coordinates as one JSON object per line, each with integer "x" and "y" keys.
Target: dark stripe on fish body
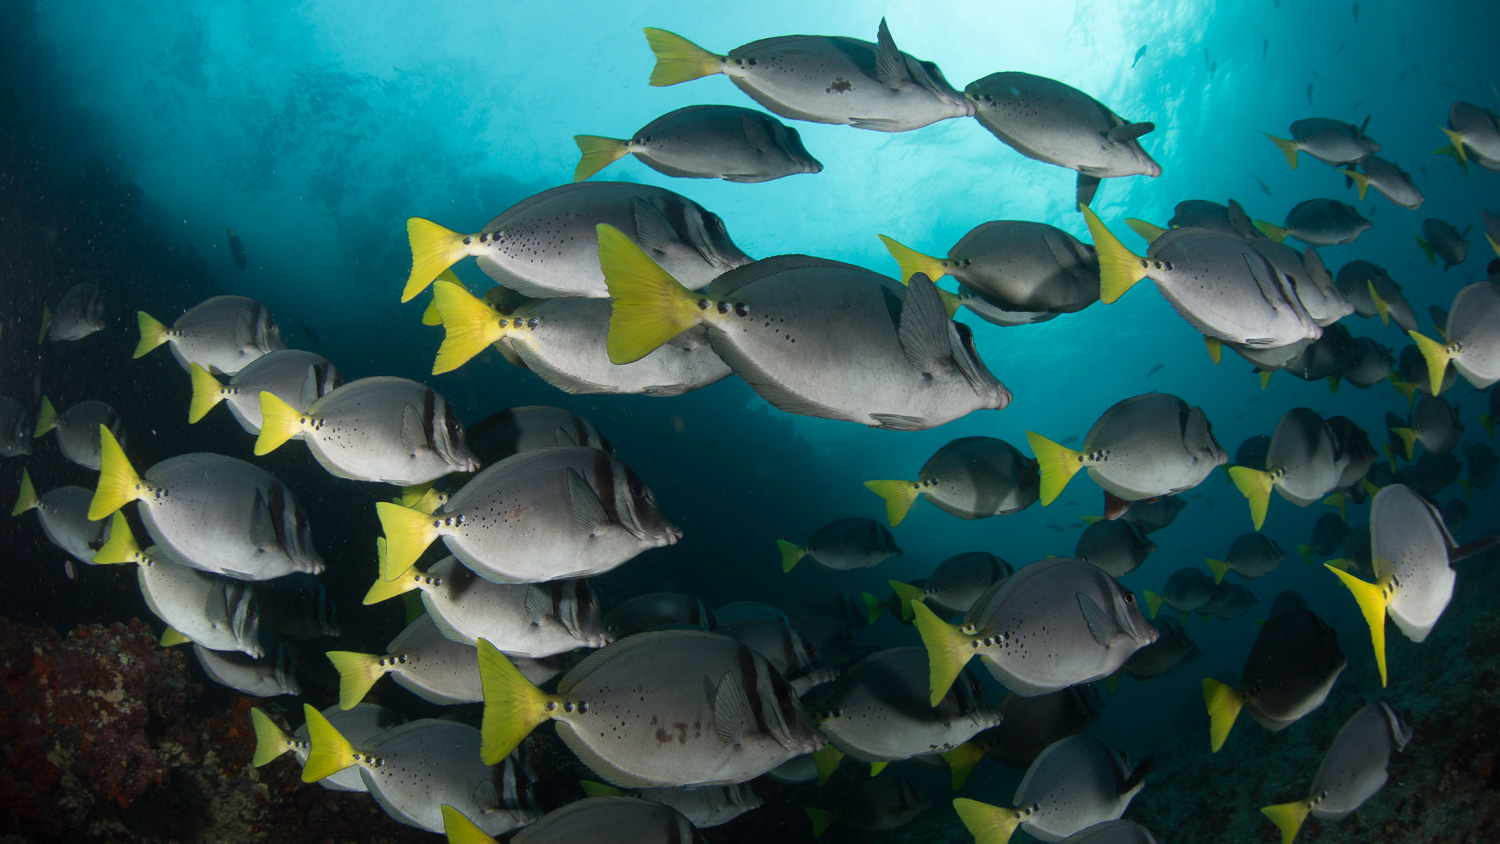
{"x": 429, "y": 415}
{"x": 580, "y": 436}
{"x": 604, "y": 476}
{"x": 277, "y": 505}
{"x": 749, "y": 677}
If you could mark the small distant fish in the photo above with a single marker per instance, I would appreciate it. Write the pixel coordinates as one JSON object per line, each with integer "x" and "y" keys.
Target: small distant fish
{"x": 237, "y": 250}
{"x": 1263, "y": 186}
{"x": 1207, "y": 59}
{"x": 1213, "y": 66}
{"x": 705, "y": 142}
{"x": 1058, "y": 528}
{"x": 841, "y": 545}
{"x": 1442, "y": 240}
{"x": 1139, "y": 53}
{"x": 78, "y": 314}
{"x": 1355, "y": 10}
{"x": 1071, "y": 439}
{"x": 311, "y": 334}
{"x": 1153, "y": 370}
{"x": 1309, "y": 93}
{"x": 1265, "y": 47}
{"x": 1342, "y": 45}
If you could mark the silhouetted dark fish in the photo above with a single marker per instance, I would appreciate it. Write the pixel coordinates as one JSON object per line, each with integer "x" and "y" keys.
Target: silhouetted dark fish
{"x": 310, "y": 333}
{"x": 237, "y": 250}
{"x": 1139, "y": 53}
{"x": 1155, "y": 369}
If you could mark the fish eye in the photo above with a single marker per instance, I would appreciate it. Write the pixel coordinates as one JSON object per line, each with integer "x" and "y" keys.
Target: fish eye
{"x": 1129, "y": 599}
{"x": 637, "y": 489}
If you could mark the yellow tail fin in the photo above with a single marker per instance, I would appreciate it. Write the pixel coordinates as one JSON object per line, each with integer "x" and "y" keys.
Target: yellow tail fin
{"x": 1057, "y": 464}
{"x": 1219, "y": 568}
{"x": 1224, "y": 704}
{"x": 118, "y": 483}
{"x": 27, "y": 499}
{"x": 1488, "y": 423}
{"x": 678, "y": 59}
{"x": 207, "y": 392}
{"x": 821, "y": 819}
{"x": 41, "y": 336}
{"x": 270, "y": 740}
{"x": 873, "y": 608}
{"x": 328, "y": 751}
{"x": 1382, "y": 308}
{"x": 1360, "y": 180}
{"x": 988, "y": 824}
{"x": 1265, "y": 380}
{"x": 172, "y": 637}
{"x": 46, "y": 418}
{"x": 791, "y": 554}
{"x": 1408, "y": 440}
{"x": 461, "y": 830}
{"x": 431, "y": 315}
{"x": 434, "y": 248}
{"x": 1307, "y": 554}
{"x": 947, "y": 650}
{"x": 1149, "y": 231}
{"x": 908, "y": 594}
{"x": 826, "y": 761}
{"x": 597, "y": 153}
{"x": 121, "y": 547}
{"x": 407, "y": 534}
{"x": 1457, "y": 139}
{"x": 469, "y": 325}
{"x": 1215, "y": 348}
{"x": 1372, "y": 599}
{"x": 1153, "y": 603}
{"x": 1288, "y": 818}
{"x": 153, "y": 333}
{"x": 357, "y": 673}
{"x": 513, "y": 707}
{"x": 1119, "y": 268}
{"x": 599, "y": 789}
{"x": 912, "y": 262}
{"x": 1407, "y": 389}
{"x": 651, "y": 307}
{"x": 1426, "y": 250}
{"x": 384, "y": 590}
{"x": 1437, "y": 356}
{"x": 1255, "y": 485}
{"x": 1288, "y": 148}
{"x": 962, "y": 761}
{"x": 1271, "y": 230}
{"x": 898, "y": 495}
{"x": 279, "y": 422}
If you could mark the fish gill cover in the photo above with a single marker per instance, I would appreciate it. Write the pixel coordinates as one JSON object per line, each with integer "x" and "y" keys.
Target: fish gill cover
{"x": 273, "y": 151}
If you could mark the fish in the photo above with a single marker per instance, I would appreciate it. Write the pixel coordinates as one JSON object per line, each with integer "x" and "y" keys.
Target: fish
{"x": 576, "y": 511}
{"x": 878, "y": 709}
{"x": 358, "y": 725}
{"x": 269, "y": 676}
{"x": 212, "y": 512}
{"x": 1138, "y": 54}
{"x": 887, "y": 356}
{"x": 657, "y": 610}
{"x": 1352, "y": 771}
{"x": 1491, "y": 229}
{"x": 237, "y": 250}
{"x": 1171, "y": 653}
{"x": 1049, "y": 121}
{"x": 625, "y": 818}
{"x": 1055, "y": 623}
{"x": 1228, "y": 602}
{"x": 1303, "y": 464}
{"x": 1309, "y": 102}
{"x": 1155, "y": 369}
{"x": 310, "y": 333}
{"x": 1015, "y": 265}
{"x": 970, "y": 478}
{"x": 1431, "y": 473}
{"x": 545, "y": 245}
{"x": 533, "y": 620}
{"x": 1251, "y": 555}
{"x": 1112, "y": 832}
{"x": 564, "y": 341}
{"x": 79, "y": 313}
{"x": 15, "y": 428}
{"x": 1031, "y": 725}
{"x": 1319, "y": 222}
{"x": 1076, "y": 783}
{"x": 1330, "y": 141}
{"x": 1290, "y": 670}
{"x": 63, "y": 515}
{"x": 381, "y": 430}
{"x": 297, "y": 606}
{"x": 1412, "y": 552}
{"x": 1141, "y": 447}
{"x": 1388, "y": 178}
{"x": 1455, "y": 513}
{"x": 1186, "y": 590}
{"x": 1473, "y": 133}
{"x": 821, "y": 79}
{"x": 420, "y": 659}
{"x": 518, "y": 429}
{"x": 1221, "y": 285}
{"x": 1372, "y": 292}
{"x": 1265, "y": 188}
{"x": 681, "y": 708}
{"x": 1471, "y": 339}
{"x": 705, "y": 142}
{"x": 788, "y": 652}
{"x": 872, "y": 805}
{"x": 1354, "y": 10}
{"x": 416, "y": 770}
{"x": 842, "y": 545}
{"x": 1116, "y": 546}
{"x": 1153, "y": 514}
{"x": 1328, "y": 535}
{"x": 78, "y": 429}
{"x": 1415, "y": 376}
{"x": 1372, "y": 364}
{"x": 1265, "y": 47}
{"x": 737, "y": 612}
{"x": 955, "y": 584}
{"x": 1444, "y": 241}
{"x": 1435, "y": 425}
{"x": 704, "y": 808}
{"x": 1482, "y": 464}
{"x": 296, "y": 377}
{"x": 221, "y": 334}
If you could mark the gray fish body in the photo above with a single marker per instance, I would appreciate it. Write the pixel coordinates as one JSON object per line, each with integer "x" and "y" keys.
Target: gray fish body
{"x": 1392, "y": 182}
{"x": 1445, "y": 241}
{"x": 658, "y": 609}
{"x": 552, "y": 514}
{"x": 706, "y": 807}
{"x": 1032, "y": 724}
{"x": 1049, "y": 121}
{"x": 876, "y": 805}
{"x": 297, "y": 606}
{"x": 385, "y": 429}
{"x": 78, "y": 431}
{"x": 722, "y": 142}
{"x": 1206, "y": 214}
{"x": 296, "y": 377}
{"x": 216, "y": 612}
{"x": 64, "y": 516}
{"x": 1254, "y": 555}
{"x": 268, "y": 676}
{"x": 1413, "y": 369}
{"x": 1372, "y": 364}
{"x": 78, "y": 314}
{"x": 737, "y": 612}
{"x": 1409, "y": 543}
{"x": 623, "y": 820}
{"x": 782, "y": 646}
{"x": 1229, "y": 601}
{"x": 854, "y": 543}
{"x": 1073, "y": 785}
{"x": 1151, "y": 445}
{"x": 432, "y": 666}
{"x": 360, "y": 724}
{"x": 1291, "y": 668}
{"x": 1355, "y": 443}
{"x": 996, "y": 315}
{"x": 1227, "y": 289}
{"x": 1188, "y": 590}
{"x": 681, "y": 708}
{"x": 1112, "y": 832}
{"x": 879, "y": 711}
{"x": 1172, "y": 651}
{"x": 979, "y": 477}
{"x": 886, "y": 355}
{"x": 1482, "y": 464}
{"x": 1021, "y": 265}
{"x": 1354, "y": 768}
{"x": 430, "y": 763}
{"x": 1481, "y": 132}
{"x": 1436, "y": 424}
{"x": 1304, "y": 459}
{"x": 1474, "y": 326}
{"x": 226, "y": 516}
{"x": 1329, "y": 533}
{"x": 15, "y": 428}
{"x": 566, "y": 348}
{"x": 832, "y": 79}
{"x": 1354, "y": 280}
{"x": 1057, "y": 623}
{"x": 547, "y": 245}
{"x": 1116, "y": 546}
{"x": 1333, "y": 141}
{"x": 1310, "y": 280}
{"x": 1329, "y": 355}
{"x": 1154, "y": 514}
{"x": 1325, "y": 222}
{"x": 519, "y": 429}
{"x": 519, "y": 619}
{"x": 960, "y": 580}
{"x": 795, "y": 770}
{"x": 1431, "y": 473}
{"x": 223, "y": 334}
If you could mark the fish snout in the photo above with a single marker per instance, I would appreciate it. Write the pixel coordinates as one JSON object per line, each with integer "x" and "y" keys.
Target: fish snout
{"x": 672, "y": 534}
{"x": 1001, "y": 397}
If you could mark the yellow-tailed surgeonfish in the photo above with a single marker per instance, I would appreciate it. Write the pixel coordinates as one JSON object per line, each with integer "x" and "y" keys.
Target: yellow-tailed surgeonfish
{"x": 842, "y": 545}
{"x": 1471, "y": 341}
{"x": 221, "y": 334}
{"x": 1319, "y": 222}
{"x": 705, "y": 142}
{"x": 1303, "y": 464}
{"x": 77, "y": 429}
{"x": 970, "y": 477}
{"x": 1330, "y": 141}
{"x": 296, "y": 377}
{"x": 79, "y": 313}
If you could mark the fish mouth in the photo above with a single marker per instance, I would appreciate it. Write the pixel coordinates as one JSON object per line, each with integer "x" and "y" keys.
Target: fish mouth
{"x": 671, "y": 535}
{"x": 1002, "y": 398}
